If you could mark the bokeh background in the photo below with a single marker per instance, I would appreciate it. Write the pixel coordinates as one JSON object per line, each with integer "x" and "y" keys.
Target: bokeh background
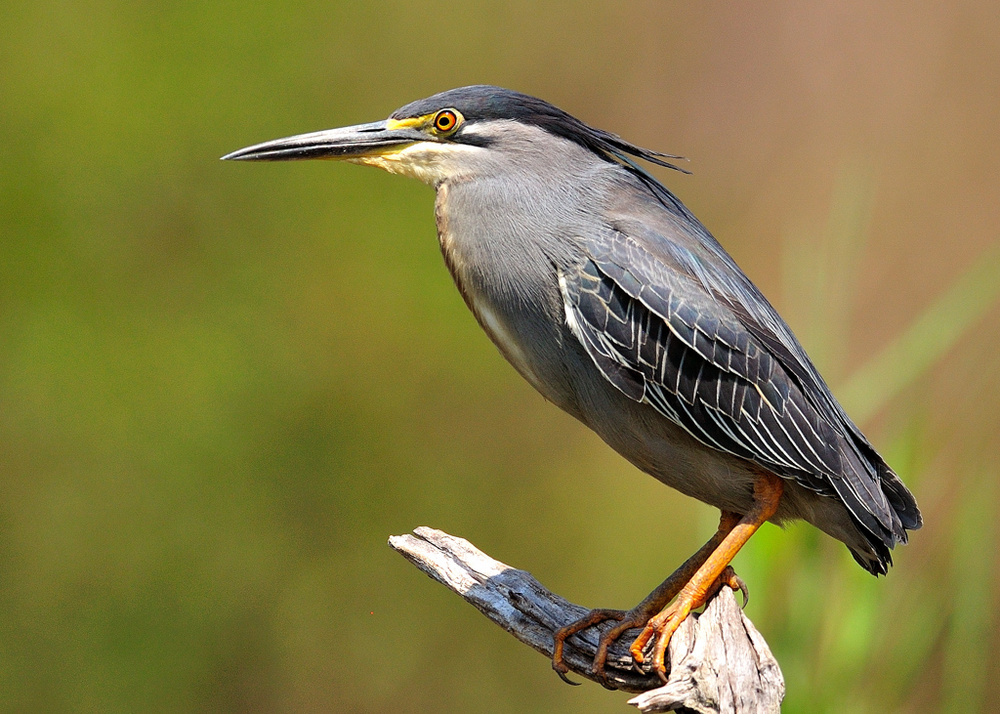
{"x": 223, "y": 386}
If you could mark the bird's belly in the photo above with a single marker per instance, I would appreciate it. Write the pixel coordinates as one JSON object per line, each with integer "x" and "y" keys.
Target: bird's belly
{"x": 664, "y": 450}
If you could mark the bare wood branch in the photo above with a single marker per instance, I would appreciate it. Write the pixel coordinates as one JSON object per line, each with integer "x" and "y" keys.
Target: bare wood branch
{"x": 719, "y": 663}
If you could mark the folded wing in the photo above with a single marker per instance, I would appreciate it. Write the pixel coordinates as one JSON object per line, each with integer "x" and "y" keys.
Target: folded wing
{"x": 657, "y": 334}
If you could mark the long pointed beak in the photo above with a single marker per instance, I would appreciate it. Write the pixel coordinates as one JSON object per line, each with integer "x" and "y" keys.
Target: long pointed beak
{"x": 345, "y": 143}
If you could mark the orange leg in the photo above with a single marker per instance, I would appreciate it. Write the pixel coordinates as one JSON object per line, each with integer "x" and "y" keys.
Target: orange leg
{"x": 694, "y": 583}
{"x": 710, "y": 576}
{"x": 641, "y": 613}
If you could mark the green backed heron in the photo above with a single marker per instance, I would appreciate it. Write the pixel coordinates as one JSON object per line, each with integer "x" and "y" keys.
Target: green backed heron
{"x": 604, "y": 292}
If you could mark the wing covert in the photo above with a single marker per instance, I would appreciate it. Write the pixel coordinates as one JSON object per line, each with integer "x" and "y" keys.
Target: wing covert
{"x": 661, "y": 339}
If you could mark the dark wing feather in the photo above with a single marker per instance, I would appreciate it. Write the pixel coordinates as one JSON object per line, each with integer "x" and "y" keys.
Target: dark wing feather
{"x": 698, "y": 255}
{"x": 660, "y": 337}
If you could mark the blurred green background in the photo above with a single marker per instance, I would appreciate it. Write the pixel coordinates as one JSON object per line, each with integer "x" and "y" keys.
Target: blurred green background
{"x": 223, "y": 386}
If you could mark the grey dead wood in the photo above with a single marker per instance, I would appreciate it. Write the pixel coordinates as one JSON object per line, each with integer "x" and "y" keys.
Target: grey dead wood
{"x": 719, "y": 663}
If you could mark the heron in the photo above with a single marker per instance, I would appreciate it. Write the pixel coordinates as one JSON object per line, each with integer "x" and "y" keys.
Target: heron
{"x": 613, "y": 301}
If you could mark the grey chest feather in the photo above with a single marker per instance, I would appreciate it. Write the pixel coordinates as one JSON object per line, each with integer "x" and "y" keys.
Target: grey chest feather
{"x": 508, "y": 303}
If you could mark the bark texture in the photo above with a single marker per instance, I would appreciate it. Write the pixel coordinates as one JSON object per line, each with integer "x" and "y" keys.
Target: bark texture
{"x": 719, "y": 663}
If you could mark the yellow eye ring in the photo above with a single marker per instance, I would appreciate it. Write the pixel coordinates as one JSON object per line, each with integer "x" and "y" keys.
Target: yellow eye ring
{"x": 446, "y": 120}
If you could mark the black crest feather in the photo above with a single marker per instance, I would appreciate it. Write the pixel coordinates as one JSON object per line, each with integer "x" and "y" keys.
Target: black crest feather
{"x": 483, "y": 102}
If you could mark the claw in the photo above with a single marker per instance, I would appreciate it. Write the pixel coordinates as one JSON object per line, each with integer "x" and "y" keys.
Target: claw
{"x": 605, "y": 681}
{"x": 734, "y": 582}
{"x": 563, "y": 677}
{"x": 744, "y": 590}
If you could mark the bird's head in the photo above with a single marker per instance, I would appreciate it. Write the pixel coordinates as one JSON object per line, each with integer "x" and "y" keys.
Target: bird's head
{"x": 459, "y": 132}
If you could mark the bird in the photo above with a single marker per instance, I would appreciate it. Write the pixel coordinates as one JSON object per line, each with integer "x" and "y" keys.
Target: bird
{"x": 602, "y": 289}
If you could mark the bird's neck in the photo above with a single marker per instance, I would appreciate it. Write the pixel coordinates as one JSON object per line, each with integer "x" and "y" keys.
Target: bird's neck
{"x": 505, "y": 306}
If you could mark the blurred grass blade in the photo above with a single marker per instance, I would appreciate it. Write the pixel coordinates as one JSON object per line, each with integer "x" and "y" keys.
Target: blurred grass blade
{"x": 926, "y": 340}
{"x": 821, "y": 270}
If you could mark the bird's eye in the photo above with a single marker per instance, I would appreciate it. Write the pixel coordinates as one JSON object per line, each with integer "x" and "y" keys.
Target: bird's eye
{"x": 446, "y": 120}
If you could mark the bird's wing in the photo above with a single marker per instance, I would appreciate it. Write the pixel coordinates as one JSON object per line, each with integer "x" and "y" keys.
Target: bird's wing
{"x": 658, "y": 335}
{"x": 674, "y": 236}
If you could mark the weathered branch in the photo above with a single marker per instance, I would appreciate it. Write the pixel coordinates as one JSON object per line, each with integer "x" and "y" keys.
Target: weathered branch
{"x": 718, "y": 662}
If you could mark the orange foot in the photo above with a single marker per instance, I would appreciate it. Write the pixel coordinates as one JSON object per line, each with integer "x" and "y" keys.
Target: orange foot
{"x": 694, "y": 584}
{"x": 641, "y": 614}
{"x": 664, "y": 624}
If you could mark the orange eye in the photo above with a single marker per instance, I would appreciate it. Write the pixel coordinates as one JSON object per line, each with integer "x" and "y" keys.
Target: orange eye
{"x": 446, "y": 120}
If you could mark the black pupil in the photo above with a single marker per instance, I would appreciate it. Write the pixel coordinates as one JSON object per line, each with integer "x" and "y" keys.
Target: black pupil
{"x": 445, "y": 121}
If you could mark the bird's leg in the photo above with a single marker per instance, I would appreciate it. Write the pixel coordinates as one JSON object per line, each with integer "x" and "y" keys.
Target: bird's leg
{"x": 639, "y": 615}
{"x": 712, "y": 574}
